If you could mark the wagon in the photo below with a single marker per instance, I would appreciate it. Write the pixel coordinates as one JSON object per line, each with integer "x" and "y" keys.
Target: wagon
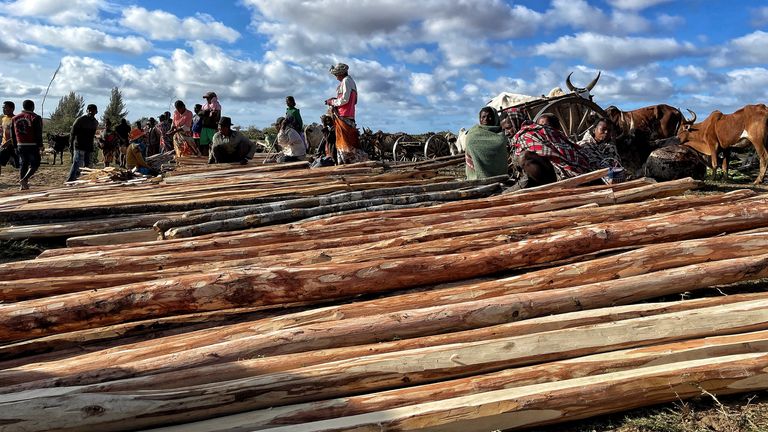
{"x": 404, "y": 147}
{"x": 575, "y": 112}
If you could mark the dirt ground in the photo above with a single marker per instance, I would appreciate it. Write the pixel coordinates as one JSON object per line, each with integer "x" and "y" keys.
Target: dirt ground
{"x": 739, "y": 413}
{"x": 47, "y": 176}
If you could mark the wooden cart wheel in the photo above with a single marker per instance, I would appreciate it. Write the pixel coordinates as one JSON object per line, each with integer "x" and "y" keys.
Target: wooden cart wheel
{"x": 576, "y": 115}
{"x": 399, "y": 151}
{"x": 436, "y": 146}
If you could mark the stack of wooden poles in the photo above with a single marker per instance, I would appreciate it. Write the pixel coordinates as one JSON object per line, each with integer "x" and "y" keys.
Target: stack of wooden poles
{"x": 515, "y": 310}
{"x": 128, "y": 210}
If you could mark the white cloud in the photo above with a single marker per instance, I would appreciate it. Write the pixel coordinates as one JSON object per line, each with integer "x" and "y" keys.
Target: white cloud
{"x": 670, "y": 21}
{"x": 698, "y": 73}
{"x": 579, "y": 14}
{"x": 760, "y": 16}
{"x": 417, "y": 56}
{"x": 13, "y": 86}
{"x": 749, "y": 49}
{"x": 391, "y": 25}
{"x": 83, "y": 39}
{"x": 750, "y": 83}
{"x": 161, "y": 25}
{"x": 56, "y": 11}
{"x": 12, "y": 49}
{"x": 635, "y": 4}
{"x": 614, "y": 52}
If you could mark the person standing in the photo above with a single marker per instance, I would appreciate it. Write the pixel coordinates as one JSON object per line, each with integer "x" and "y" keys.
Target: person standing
{"x": 27, "y": 136}
{"x": 154, "y": 137}
{"x": 81, "y": 140}
{"x": 7, "y": 149}
{"x": 343, "y": 106}
{"x": 210, "y": 114}
{"x": 197, "y": 127}
{"x": 182, "y": 131}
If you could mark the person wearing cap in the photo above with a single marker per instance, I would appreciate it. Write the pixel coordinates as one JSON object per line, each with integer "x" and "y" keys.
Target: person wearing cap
{"x": 134, "y": 157}
{"x": 343, "y": 107}
{"x": 210, "y": 114}
{"x": 291, "y": 144}
{"x": 230, "y": 146}
{"x": 81, "y": 140}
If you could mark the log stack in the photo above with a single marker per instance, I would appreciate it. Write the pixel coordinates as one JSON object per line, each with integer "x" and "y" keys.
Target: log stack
{"x": 488, "y": 312}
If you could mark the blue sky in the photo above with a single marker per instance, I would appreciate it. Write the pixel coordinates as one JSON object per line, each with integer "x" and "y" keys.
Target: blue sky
{"x": 420, "y": 66}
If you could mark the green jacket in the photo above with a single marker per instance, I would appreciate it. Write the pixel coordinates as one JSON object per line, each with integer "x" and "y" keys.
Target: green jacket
{"x": 486, "y": 152}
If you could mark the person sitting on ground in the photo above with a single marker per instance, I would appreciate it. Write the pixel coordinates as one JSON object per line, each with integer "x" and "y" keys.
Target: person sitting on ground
{"x": 290, "y": 142}
{"x": 545, "y": 154}
{"x": 134, "y": 157}
{"x": 486, "y": 152}
{"x": 600, "y": 151}
{"x": 230, "y": 146}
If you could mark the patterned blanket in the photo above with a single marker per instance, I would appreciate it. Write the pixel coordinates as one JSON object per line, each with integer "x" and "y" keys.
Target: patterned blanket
{"x": 551, "y": 144}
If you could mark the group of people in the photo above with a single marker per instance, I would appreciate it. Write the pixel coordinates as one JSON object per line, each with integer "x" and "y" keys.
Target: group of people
{"x": 536, "y": 153}
{"x": 202, "y": 131}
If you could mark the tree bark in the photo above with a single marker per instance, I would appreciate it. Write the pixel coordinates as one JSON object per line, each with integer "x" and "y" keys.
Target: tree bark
{"x": 597, "y": 364}
{"x": 254, "y": 286}
{"x": 119, "y": 408}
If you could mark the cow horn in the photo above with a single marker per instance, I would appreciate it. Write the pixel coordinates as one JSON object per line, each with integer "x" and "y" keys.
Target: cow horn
{"x": 591, "y": 85}
{"x": 693, "y": 120}
{"x": 569, "y": 84}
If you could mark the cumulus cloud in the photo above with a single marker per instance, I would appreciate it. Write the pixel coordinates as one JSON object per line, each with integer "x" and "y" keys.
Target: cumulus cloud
{"x": 614, "y": 52}
{"x": 635, "y": 4}
{"x": 82, "y": 39}
{"x": 161, "y": 25}
{"x": 416, "y": 56}
{"x": 750, "y": 83}
{"x": 745, "y": 50}
{"x": 12, "y": 49}
{"x": 392, "y": 25}
{"x": 56, "y": 11}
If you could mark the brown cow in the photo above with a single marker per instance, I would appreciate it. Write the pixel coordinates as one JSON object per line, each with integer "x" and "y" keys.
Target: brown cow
{"x": 723, "y": 131}
{"x": 652, "y": 122}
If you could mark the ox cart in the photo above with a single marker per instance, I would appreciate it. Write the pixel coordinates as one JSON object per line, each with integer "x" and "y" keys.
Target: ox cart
{"x": 402, "y": 147}
{"x": 576, "y": 111}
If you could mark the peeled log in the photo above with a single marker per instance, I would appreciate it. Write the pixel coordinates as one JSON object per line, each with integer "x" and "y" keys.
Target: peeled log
{"x": 597, "y": 364}
{"x": 121, "y": 409}
{"x": 415, "y": 322}
{"x": 562, "y": 401}
{"x": 639, "y": 262}
{"x": 254, "y": 286}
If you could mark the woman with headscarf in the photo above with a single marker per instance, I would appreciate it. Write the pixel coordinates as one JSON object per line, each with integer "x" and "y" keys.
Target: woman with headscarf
{"x": 183, "y": 143}
{"x": 210, "y": 114}
{"x": 343, "y": 107}
{"x": 486, "y": 147}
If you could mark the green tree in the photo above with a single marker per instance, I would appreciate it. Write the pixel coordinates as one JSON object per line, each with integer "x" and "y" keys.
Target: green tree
{"x": 70, "y": 107}
{"x": 115, "y": 110}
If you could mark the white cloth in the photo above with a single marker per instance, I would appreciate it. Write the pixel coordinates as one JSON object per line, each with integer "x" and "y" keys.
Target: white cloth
{"x": 344, "y": 91}
{"x": 291, "y": 143}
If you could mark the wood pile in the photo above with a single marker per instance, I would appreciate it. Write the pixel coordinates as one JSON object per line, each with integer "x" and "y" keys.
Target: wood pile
{"x": 505, "y": 311}
{"x": 92, "y": 208}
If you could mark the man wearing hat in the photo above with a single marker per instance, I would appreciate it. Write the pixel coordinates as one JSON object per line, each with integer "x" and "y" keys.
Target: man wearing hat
{"x": 230, "y": 146}
{"x": 343, "y": 106}
{"x": 210, "y": 114}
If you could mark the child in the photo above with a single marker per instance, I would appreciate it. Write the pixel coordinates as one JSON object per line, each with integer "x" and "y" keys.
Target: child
{"x": 298, "y": 123}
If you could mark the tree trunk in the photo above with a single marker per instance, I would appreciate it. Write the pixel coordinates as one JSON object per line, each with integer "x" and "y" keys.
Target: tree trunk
{"x": 598, "y": 364}
{"x": 119, "y": 408}
{"x": 254, "y": 286}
